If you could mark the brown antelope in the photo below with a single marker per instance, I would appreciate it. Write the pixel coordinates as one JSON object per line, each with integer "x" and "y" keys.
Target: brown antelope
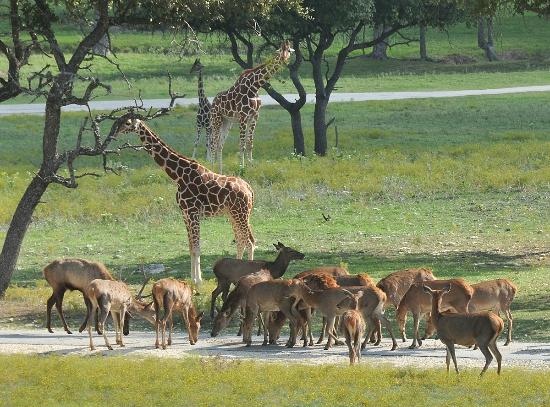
{"x": 330, "y": 303}
{"x": 333, "y": 271}
{"x": 481, "y": 329}
{"x": 237, "y": 300}
{"x": 114, "y": 297}
{"x": 419, "y": 303}
{"x": 229, "y": 270}
{"x": 354, "y": 280}
{"x": 352, "y": 326}
{"x": 269, "y": 296}
{"x": 396, "y": 284}
{"x": 496, "y": 296}
{"x": 71, "y": 274}
{"x": 174, "y": 295}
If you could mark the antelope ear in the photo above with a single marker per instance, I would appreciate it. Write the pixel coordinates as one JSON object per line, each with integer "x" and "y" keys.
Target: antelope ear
{"x": 427, "y": 289}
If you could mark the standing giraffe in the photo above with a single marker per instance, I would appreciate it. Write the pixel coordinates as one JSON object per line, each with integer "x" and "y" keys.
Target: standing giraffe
{"x": 201, "y": 193}
{"x": 203, "y": 114}
{"x": 241, "y": 103}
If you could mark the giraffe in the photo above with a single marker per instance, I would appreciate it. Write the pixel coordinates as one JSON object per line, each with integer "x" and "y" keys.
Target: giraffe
{"x": 201, "y": 193}
{"x": 241, "y": 103}
{"x": 203, "y": 114}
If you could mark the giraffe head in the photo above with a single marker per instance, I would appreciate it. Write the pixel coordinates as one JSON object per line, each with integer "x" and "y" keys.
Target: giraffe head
{"x": 129, "y": 126}
{"x": 197, "y": 66}
{"x": 285, "y": 50}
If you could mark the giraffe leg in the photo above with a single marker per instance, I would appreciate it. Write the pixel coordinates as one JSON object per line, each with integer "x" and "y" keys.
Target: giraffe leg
{"x": 216, "y": 122}
{"x": 192, "y": 221}
{"x": 250, "y": 135}
{"x": 208, "y": 142}
{"x": 242, "y": 140}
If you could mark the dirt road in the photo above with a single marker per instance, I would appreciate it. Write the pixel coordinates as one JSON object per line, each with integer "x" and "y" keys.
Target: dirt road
{"x": 140, "y": 344}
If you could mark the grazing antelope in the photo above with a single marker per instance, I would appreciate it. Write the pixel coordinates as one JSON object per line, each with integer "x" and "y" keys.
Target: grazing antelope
{"x": 352, "y": 326}
{"x": 228, "y": 270}
{"x": 237, "y": 300}
{"x": 396, "y": 285}
{"x": 481, "y": 329}
{"x": 419, "y": 303}
{"x": 71, "y": 274}
{"x": 175, "y": 295}
{"x": 269, "y": 296}
{"x": 496, "y": 296}
{"x": 333, "y": 271}
{"x": 114, "y": 297}
{"x": 354, "y": 280}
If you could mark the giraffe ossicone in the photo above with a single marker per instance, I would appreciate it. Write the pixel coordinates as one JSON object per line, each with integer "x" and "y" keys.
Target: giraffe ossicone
{"x": 201, "y": 193}
{"x": 240, "y": 103}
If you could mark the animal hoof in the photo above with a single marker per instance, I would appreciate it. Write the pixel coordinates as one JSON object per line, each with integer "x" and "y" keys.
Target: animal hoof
{"x": 412, "y": 347}
{"x": 50, "y": 330}
{"x": 164, "y": 347}
{"x": 506, "y": 343}
{"x": 248, "y": 344}
{"x": 157, "y": 346}
{"x": 69, "y": 332}
{"x": 192, "y": 343}
{"x": 110, "y": 347}
{"x": 394, "y": 347}
{"x": 326, "y": 348}
{"x": 92, "y": 348}
{"x": 122, "y": 345}
{"x": 169, "y": 343}
{"x": 264, "y": 343}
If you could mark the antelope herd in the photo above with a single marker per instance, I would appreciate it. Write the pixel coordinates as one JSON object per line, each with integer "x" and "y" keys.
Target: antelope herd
{"x": 353, "y": 305}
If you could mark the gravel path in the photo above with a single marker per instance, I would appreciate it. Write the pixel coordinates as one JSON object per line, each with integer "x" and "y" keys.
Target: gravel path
{"x": 38, "y": 108}
{"x": 140, "y": 344}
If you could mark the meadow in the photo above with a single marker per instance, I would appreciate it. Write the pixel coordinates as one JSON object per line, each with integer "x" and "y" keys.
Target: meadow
{"x": 459, "y": 185}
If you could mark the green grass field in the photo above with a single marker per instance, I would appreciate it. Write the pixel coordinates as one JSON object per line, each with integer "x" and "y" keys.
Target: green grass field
{"x": 206, "y": 382}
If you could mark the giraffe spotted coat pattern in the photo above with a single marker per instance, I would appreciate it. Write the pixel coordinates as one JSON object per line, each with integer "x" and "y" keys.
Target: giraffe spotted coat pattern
{"x": 201, "y": 193}
{"x": 241, "y": 103}
{"x": 203, "y": 114}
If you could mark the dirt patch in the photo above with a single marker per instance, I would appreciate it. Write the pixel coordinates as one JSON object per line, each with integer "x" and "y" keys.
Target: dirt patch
{"x": 230, "y": 347}
{"x": 513, "y": 55}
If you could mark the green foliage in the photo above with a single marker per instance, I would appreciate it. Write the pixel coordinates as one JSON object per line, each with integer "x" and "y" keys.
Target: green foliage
{"x": 219, "y": 382}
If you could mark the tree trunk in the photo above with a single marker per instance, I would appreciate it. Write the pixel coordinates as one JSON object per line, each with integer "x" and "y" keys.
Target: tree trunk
{"x": 297, "y": 131}
{"x": 422, "y": 40}
{"x": 18, "y": 227}
{"x": 380, "y": 49}
{"x": 481, "y": 33}
{"x": 319, "y": 124}
{"x": 490, "y": 49}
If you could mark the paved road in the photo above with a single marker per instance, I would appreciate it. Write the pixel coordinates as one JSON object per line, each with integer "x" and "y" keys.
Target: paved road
{"x": 140, "y": 344}
{"x": 38, "y": 108}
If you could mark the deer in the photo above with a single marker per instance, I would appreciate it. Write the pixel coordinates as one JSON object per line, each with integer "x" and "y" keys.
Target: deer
{"x": 115, "y": 297}
{"x": 396, "y": 285}
{"x": 333, "y": 271}
{"x": 228, "y": 270}
{"x": 269, "y": 296}
{"x": 354, "y": 280}
{"x": 352, "y": 326}
{"x": 494, "y": 295}
{"x": 72, "y": 274}
{"x": 481, "y": 329}
{"x": 175, "y": 295}
{"x": 419, "y": 303}
{"x": 237, "y": 300}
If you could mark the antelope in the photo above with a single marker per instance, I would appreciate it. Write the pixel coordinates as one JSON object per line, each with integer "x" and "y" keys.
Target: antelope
{"x": 396, "y": 285}
{"x": 481, "y": 329}
{"x": 237, "y": 300}
{"x": 114, "y": 297}
{"x": 419, "y": 303}
{"x": 331, "y": 302}
{"x": 354, "y": 280}
{"x": 495, "y": 295}
{"x": 352, "y": 326}
{"x": 269, "y": 296}
{"x": 174, "y": 295}
{"x": 229, "y": 270}
{"x": 333, "y": 271}
{"x": 72, "y": 274}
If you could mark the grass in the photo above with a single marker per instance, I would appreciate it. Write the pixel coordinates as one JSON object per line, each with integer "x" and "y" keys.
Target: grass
{"x": 201, "y": 382}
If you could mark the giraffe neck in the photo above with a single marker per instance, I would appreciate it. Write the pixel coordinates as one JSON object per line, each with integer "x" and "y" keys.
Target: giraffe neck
{"x": 163, "y": 155}
{"x": 201, "y": 87}
{"x": 265, "y": 71}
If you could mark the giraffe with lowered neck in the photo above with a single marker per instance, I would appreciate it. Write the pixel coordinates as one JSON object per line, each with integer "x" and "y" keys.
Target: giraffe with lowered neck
{"x": 201, "y": 193}
{"x": 203, "y": 114}
{"x": 241, "y": 103}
